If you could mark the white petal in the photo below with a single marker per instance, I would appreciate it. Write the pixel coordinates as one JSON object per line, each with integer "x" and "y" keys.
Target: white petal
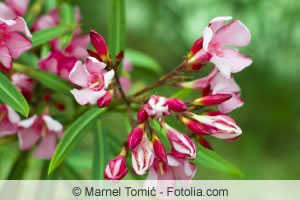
{"x": 207, "y": 37}
{"x": 86, "y": 96}
{"x": 108, "y": 76}
{"x": 28, "y": 122}
{"x": 52, "y": 124}
{"x": 12, "y": 115}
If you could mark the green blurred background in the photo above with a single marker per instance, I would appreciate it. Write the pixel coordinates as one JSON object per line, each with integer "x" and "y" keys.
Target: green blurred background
{"x": 166, "y": 29}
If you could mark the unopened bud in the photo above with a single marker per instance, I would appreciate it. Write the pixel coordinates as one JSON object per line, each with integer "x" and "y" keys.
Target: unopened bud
{"x": 142, "y": 115}
{"x": 135, "y": 137}
{"x": 159, "y": 148}
{"x": 98, "y": 42}
{"x": 116, "y": 168}
{"x": 176, "y": 105}
{"x": 203, "y": 142}
{"x": 105, "y": 100}
{"x": 214, "y": 99}
{"x": 194, "y": 126}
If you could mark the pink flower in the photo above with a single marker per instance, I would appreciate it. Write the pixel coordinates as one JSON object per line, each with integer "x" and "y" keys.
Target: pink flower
{"x": 13, "y": 8}
{"x": 157, "y": 107}
{"x": 116, "y": 168}
{"x": 142, "y": 157}
{"x": 92, "y": 78}
{"x": 12, "y": 41}
{"x": 219, "y": 125}
{"x": 176, "y": 105}
{"x": 42, "y": 130}
{"x": 182, "y": 145}
{"x": 218, "y": 84}
{"x": 23, "y": 83}
{"x": 217, "y": 35}
{"x": 9, "y": 120}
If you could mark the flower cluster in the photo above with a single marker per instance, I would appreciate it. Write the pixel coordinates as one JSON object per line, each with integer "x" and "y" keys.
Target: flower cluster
{"x": 198, "y": 116}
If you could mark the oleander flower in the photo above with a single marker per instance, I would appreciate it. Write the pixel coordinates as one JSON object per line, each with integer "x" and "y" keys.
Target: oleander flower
{"x": 13, "y": 8}
{"x": 24, "y": 83}
{"x": 42, "y": 130}
{"x": 13, "y": 42}
{"x": 93, "y": 80}
{"x": 216, "y": 83}
{"x": 9, "y": 121}
{"x": 216, "y": 36}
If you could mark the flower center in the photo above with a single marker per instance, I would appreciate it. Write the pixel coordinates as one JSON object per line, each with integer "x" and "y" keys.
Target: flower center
{"x": 96, "y": 82}
{"x": 44, "y": 130}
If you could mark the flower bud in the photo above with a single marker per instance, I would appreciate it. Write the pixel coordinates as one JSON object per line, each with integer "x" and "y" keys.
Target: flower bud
{"x": 220, "y": 126}
{"x": 214, "y": 99}
{"x": 98, "y": 42}
{"x": 120, "y": 56}
{"x": 182, "y": 145}
{"x": 196, "y": 47}
{"x": 105, "y": 100}
{"x": 159, "y": 148}
{"x": 94, "y": 54}
{"x": 176, "y": 105}
{"x": 142, "y": 157}
{"x": 135, "y": 137}
{"x": 142, "y": 115}
{"x": 203, "y": 142}
{"x": 116, "y": 168}
{"x": 194, "y": 126}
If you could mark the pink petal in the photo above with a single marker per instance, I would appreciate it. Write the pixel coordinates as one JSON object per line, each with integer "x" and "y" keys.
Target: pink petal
{"x": 6, "y": 12}
{"x": 52, "y": 124}
{"x": 18, "y": 44}
{"x": 47, "y": 146}
{"x": 28, "y": 137}
{"x": 94, "y": 66}
{"x": 231, "y": 104}
{"x": 5, "y": 57}
{"x": 186, "y": 170}
{"x": 202, "y": 83}
{"x": 21, "y": 26}
{"x": 218, "y": 22}
{"x": 78, "y": 45}
{"x": 237, "y": 61}
{"x": 86, "y": 96}
{"x": 7, "y": 128}
{"x": 79, "y": 75}
{"x": 108, "y": 76}
{"x": 20, "y": 6}
{"x": 47, "y": 21}
{"x": 219, "y": 83}
{"x": 233, "y": 34}
{"x": 12, "y": 115}
{"x": 223, "y": 64}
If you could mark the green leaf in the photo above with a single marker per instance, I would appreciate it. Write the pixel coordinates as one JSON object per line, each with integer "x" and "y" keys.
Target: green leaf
{"x": 29, "y": 58}
{"x": 181, "y": 94}
{"x": 116, "y": 29}
{"x": 10, "y": 95}
{"x": 73, "y": 136}
{"x": 49, "y": 80}
{"x": 67, "y": 17}
{"x": 101, "y": 155}
{"x": 19, "y": 167}
{"x": 212, "y": 160}
{"x": 205, "y": 157}
{"x": 46, "y": 35}
{"x": 143, "y": 61}
{"x": 69, "y": 172}
{"x": 33, "y": 12}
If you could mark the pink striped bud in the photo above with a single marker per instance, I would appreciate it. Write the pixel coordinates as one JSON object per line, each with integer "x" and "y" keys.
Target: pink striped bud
{"x": 98, "y": 42}
{"x": 135, "y": 137}
{"x": 142, "y": 157}
{"x": 214, "y": 99}
{"x": 176, "y": 105}
{"x": 159, "y": 148}
{"x": 182, "y": 145}
{"x": 142, "y": 115}
{"x": 105, "y": 100}
{"x": 116, "y": 168}
{"x": 194, "y": 126}
{"x": 220, "y": 126}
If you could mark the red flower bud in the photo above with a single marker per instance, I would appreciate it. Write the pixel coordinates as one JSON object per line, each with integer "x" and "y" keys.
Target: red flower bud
{"x": 116, "y": 168}
{"x": 94, "y": 54}
{"x": 135, "y": 137}
{"x": 142, "y": 115}
{"x": 214, "y": 99}
{"x": 120, "y": 56}
{"x": 194, "y": 126}
{"x": 159, "y": 148}
{"x": 176, "y": 105}
{"x": 105, "y": 100}
{"x": 203, "y": 142}
{"x": 98, "y": 42}
{"x": 196, "y": 47}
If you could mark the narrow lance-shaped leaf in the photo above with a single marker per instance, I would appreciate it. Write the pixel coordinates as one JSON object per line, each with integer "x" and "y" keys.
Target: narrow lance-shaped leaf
{"x": 47, "y": 79}
{"x": 73, "y": 136}
{"x": 46, "y": 35}
{"x": 101, "y": 149}
{"x": 67, "y": 17}
{"x": 10, "y": 95}
{"x": 117, "y": 29}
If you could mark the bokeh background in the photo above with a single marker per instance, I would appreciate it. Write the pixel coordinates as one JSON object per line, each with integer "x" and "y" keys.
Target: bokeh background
{"x": 270, "y": 118}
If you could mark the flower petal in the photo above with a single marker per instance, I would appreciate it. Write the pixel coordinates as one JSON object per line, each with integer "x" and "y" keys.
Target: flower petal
{"x": 86, "y": 96}
{"x": 78, "y": 45}
{"x": 218, "y": 22}
{"x": 18, "y": 44}
{"x": 79, "y": 75}
{"x": 5, "y": 57}
{"x": 28, "y": 122}
{"x": 28, "y": 137}
{"x": 223, "y": 64}
{"x": 108, "y": 76}
{"x": 231, "y": 104}
{"x": 47, "y": 146}
{"x": 207, "y": 37}
{"x": 94, "y": 66}
{"x": 20, "y": 6}
{"x": 233, "y": 34}
{"x": 6, "y": 12}
{"x": 237, "y": 61}
{"x": 21, "y": 26}
{"x": 12, "y": 115}
{"x": 52, "y": 124}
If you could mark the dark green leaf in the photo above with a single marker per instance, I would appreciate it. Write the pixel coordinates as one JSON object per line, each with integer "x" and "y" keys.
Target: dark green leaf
{"x": 46, "y": 35}
{"x": 73, "y": 136}
{"x": 117, "y": 29}
{"x": 143, "y": 61}
{"x": 10, "y": 95}
{"x": 49, "y": 80}
{"x": 19, "y": 167}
